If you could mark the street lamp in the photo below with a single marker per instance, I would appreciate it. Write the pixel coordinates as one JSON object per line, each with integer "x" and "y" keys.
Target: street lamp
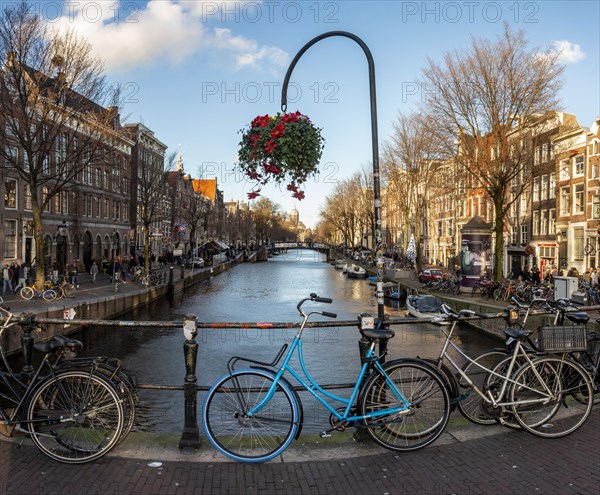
{"x": 559, "y": 239}
{"x": 374, "y": 144}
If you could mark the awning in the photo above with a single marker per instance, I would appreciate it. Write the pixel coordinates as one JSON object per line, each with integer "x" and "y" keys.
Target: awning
{"x": 215, "y": 245}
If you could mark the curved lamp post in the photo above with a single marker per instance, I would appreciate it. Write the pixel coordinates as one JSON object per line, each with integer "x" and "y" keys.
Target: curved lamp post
{"x": 374, "y": 141}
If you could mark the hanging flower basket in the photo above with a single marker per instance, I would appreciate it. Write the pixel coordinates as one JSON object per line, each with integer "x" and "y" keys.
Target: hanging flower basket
{"x": 284, "y": 148}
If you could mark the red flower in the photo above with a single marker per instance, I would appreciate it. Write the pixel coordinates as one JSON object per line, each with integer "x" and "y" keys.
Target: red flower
{"x": 278, "y": 131}
{"x": 299, "y": 195}
{"x": 253, "y": 194}
{"x": 270, "y": 168}
{"x": 270, "y": 146}
{"x": 292, "y": 187}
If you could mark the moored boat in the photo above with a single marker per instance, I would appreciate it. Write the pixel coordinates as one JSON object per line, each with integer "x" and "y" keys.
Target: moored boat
{"x": 425, "y": 306}
{"x": 355, "y": 271}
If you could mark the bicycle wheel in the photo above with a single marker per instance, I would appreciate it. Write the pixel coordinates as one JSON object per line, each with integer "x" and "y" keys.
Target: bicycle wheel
{"x": 471, "y": 405}
{"x": 26, "y": 293}
{"x": 428, "y": 405}
{"x": 49, "y": 295}
{"x": 75, "y": 417}
{"x": 69, "y": 290}
{"x": 590, "y": 360}
{"x": 256, "y": 438}
{"x": 58, "y": 291}
{"x": 543, "y": 396}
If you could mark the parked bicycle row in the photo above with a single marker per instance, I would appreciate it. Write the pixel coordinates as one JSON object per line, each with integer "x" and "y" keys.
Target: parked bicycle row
{"x": 75, "y": 410}
{"x": 545, "y": 387}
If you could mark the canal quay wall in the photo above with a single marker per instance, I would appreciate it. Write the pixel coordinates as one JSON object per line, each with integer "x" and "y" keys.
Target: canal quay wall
{"x": 100, "y": 302}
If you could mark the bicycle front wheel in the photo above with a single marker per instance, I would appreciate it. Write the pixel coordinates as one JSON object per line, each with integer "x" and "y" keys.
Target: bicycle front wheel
{"x": 75, "y": 417}
{"x": 49, "y": 295}
{"x": 69, "y": 290}
{"x": 422, "y": 391}
{"x": 26, "y": 293}
{"x": 256, "y": 438}
{"x": 543, "y": 396}
{"x": 471, "y": 405}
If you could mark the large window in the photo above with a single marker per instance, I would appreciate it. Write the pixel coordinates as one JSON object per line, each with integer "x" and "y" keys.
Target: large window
{"x": 578, "y": 244}
{"x": 10, "y": 239}
{"x": 552, "y": 221}
{"x": 564, "y": 169}
{"x": 565, "y": 201}
{"x": 596, "y": 207}
{"x": 27, "y": 197}
{"x": 579, "y": 165}
{"x": 544, "y": 192}
{"x": 524, "y": 234}
{"x": 536, "y": 189}
{"x": 578, "y": 199}
{"x": 544, "y": 222}
{"x": 10, "y": 194}
{"x": 536, "y": 223}
{"x": 552, "y": 186}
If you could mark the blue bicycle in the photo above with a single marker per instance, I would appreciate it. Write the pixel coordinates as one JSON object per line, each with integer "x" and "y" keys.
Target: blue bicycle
{"x": 253, "y": 414}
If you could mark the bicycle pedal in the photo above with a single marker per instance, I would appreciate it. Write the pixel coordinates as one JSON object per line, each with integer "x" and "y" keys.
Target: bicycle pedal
{"x": 324, "y": 434}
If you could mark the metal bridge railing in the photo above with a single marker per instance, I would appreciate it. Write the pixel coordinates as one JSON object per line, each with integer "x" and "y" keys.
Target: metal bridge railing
{"x": 190, "y": 436}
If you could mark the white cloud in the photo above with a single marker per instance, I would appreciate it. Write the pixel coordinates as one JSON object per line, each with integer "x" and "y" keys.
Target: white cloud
{"x": 163, "y": 31}
{"x": 570, "y": 53}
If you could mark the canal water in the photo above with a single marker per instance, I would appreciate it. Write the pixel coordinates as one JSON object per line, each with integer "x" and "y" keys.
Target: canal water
{"x": 259, "y": 292}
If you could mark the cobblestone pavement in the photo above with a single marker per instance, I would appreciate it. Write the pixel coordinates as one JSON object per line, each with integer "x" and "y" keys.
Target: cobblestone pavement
{"x": 510, "y": 462}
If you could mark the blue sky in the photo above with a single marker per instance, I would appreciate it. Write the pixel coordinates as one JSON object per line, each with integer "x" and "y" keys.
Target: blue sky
{"x": 196, "y": 72}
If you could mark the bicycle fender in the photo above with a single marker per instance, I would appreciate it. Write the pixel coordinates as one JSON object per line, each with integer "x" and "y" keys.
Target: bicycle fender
{"x": 296, "y": 396}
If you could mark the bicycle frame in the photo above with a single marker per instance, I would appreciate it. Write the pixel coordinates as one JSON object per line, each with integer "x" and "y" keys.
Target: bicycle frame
{"x": 518, "y": 351}
{"x": 317, "y": 392}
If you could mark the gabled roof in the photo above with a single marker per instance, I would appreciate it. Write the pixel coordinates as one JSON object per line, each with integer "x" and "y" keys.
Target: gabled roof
{"x": 206, "y": 187}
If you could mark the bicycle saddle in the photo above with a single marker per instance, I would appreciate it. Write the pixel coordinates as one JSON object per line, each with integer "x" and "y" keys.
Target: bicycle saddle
{"x": 378, "y": 333}
{"x": 579, "y": 318}
{"x": 516, "y": 333}
{"x": 57, "y": 342}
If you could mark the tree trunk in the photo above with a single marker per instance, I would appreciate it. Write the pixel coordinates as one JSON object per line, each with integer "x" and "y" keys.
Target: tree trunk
{"x": 38, "y": 234}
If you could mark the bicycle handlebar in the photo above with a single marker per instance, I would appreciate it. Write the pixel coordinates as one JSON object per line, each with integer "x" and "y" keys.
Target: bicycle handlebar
{"x": 313, "y": 297}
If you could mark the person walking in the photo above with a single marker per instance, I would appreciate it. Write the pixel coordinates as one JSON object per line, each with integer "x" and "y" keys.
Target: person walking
{"x": 22, "y": 277}
{"x": 6, "y": 279}
{"x": 94, "y": 271}
{"x": 73, "y": 274}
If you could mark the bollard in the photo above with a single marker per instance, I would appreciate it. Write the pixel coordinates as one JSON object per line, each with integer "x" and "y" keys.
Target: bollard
{"x": 191, "y": 435}
{"x": 182, "y": 271}
{"x": 27, "y": 325}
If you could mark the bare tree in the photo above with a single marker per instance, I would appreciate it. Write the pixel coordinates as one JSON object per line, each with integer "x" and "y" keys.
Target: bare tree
{"x": 410, "y": 171}
{"x": 52, "y": 97}
{"x": 152, "y": 189}
{"x": 266, "y": 214}
{"x": 487, "y": 101}
{"x": 342, "y": 209}
{"x": 194, "y": 215}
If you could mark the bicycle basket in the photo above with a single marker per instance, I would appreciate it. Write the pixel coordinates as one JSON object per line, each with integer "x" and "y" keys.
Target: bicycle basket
{"x": 563, "y": 339}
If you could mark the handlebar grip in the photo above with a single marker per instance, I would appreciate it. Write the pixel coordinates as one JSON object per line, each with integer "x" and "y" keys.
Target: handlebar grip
{"x": 328, "y": 314}
{"x": 323, "y": 299}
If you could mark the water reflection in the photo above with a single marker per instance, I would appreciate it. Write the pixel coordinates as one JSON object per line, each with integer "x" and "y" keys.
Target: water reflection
{"x": 258, "y": 292}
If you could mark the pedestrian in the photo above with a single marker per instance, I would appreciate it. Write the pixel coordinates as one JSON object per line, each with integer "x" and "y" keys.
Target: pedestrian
{"x": 73, "y": 274}
{"x": 55, "y": 272}
{"x": 594, "y": 277}
{"x": 6, "y": 279}
{"x": 94, "y": 271}
{"x": 22, "y": 276}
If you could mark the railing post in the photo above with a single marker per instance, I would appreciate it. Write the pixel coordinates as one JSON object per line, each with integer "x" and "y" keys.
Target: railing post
{"x": 191, "y": 435}
{"x": 26, "y": 322}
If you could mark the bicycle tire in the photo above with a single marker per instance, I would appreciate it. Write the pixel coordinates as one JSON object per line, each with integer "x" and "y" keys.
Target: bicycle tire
{"x": 429, "y": 405}
{"x": 75, "y": 417}
{"x": 590, "y": 360}
{"x": 49, "y": 295}
{"x": 472, "y": 406}
{"x": 69, "y": 290}
{"x": 560, "y": 414}
{"x": 250, "y": 439}
{"x": 26, "y": 293}
{"x": 58, "y": 291}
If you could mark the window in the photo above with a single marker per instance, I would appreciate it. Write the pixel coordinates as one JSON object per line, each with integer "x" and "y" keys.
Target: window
{"x": 10, "y": 239}
{"x": 552, "y": 186}
{"x": 515, "y": 232}
{"x": 106, "y": 179}
{"x": 45, "y": 201}
{"x": 596, "y": 207}
{"x": 578, "y": 244}
{"x": 450, "y": 228}
{"x": 578, "y": 199}
{"x": 10, "y": 194}
{"x": 536, "y": 189}
{"x": 579, "y": 165}
{"x": 524, "y": 235}
{"x": 544, "y": 222}
{"x": 12, "y": 155}
{"x": 105, "y": 208}
{"x": 565, "y": 201}
{"x": 564, "y": 169}
{"x": 551, "y": 221}
{"x": 27, "y": 197}
{"x": 46, "y": 165}
{"x": 439, "y": 228}
{"x": 544, "y": 191}
{"x": 536, "y": 223}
